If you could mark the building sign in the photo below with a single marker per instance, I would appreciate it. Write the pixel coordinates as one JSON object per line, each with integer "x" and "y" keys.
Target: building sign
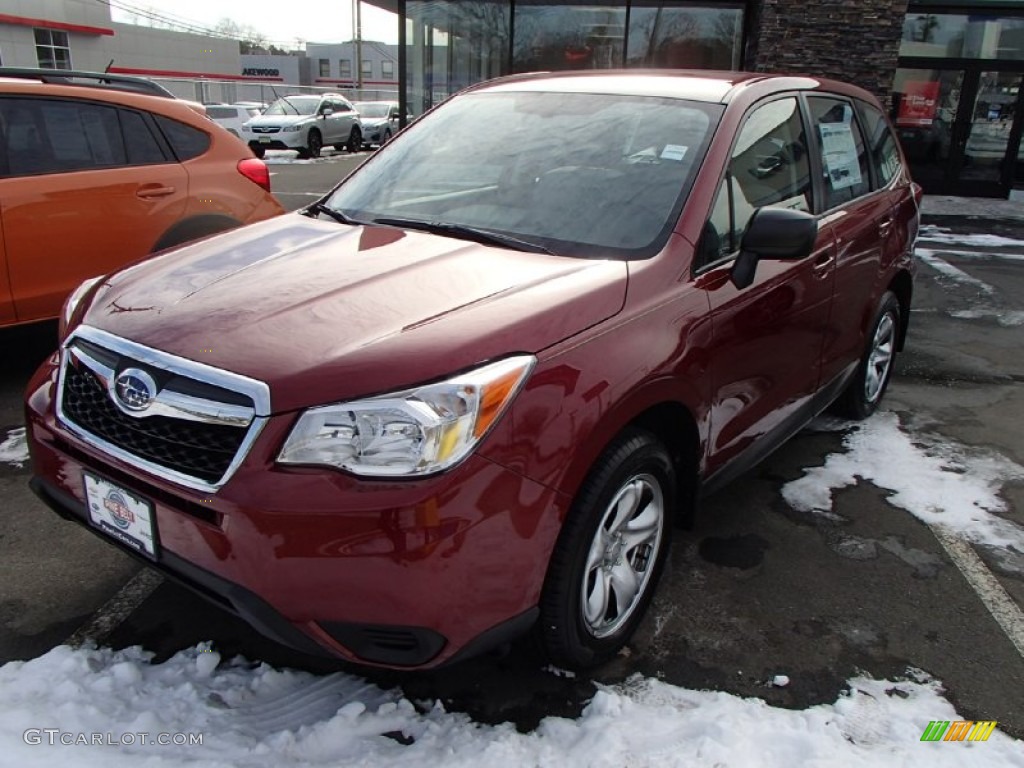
{"x": 919, "y": 103}
{"x": 260, "y": 72}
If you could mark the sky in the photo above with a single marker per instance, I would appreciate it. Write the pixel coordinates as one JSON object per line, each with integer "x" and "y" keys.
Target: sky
{"x": 315, "y": 21}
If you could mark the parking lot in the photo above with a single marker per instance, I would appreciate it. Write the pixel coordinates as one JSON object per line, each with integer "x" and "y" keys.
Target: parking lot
{"x": 877, "y": 579}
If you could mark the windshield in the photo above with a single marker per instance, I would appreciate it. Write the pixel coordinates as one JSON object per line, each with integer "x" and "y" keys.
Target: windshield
{"x": 578, "y": 173}
{"x": 294, "y": 105}
{"x": 371, "y": 109}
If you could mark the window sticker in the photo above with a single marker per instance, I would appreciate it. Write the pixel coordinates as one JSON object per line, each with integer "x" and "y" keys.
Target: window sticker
{"x": 673, "y": 152}
{"x": 840, "y": 153}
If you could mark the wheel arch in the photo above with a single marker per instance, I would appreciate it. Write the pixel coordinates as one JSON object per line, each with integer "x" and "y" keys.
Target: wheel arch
{"x": 658, "y": 409}
{"x": 194, "y": 228}
{"x": 902, "y": 285}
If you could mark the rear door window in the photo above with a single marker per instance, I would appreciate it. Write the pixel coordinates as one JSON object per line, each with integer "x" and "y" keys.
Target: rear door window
{"x": 841, "y": 148}
{"x": 142, "y": 146}
{"x": 186, "y": 141}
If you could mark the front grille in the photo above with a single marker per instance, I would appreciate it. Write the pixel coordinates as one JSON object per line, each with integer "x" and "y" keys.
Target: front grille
{"x": 195, "y": 428}
{"x": 201, "y": 450}
{"x": 267, "y": 129}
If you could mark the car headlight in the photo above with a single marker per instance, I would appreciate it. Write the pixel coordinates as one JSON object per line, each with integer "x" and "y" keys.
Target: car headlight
{"x": 297, "y": 127}
{"x": 71, "y": 304}
{"x": 410, "y": 433}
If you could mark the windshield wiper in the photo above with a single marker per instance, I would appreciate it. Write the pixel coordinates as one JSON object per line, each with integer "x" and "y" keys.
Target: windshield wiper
{"x": 337, "y": 215}
{"x": 485, "y": 236}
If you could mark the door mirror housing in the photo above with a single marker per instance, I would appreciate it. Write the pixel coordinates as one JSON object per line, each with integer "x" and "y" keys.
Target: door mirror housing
{"x": 773, "y": 233}
{"x": 326, "y": 112}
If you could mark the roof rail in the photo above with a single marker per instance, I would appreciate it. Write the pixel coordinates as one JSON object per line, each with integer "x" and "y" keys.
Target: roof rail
{"x": 89, "y": 79}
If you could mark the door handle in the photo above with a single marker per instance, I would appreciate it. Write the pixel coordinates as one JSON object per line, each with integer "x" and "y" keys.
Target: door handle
{"x": 154, "y": 191}
{"x": 823, "y": 261}
{"x": 884, "y": 227}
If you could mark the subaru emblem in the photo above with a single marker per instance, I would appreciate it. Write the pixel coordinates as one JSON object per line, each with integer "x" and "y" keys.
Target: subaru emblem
{"x": 134, "y": 390}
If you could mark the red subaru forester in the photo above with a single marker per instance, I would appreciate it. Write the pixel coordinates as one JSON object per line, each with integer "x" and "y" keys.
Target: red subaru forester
{"x": 467, "y": 393}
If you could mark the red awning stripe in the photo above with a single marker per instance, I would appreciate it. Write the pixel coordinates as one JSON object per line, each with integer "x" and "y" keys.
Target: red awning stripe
{"x": 27, "y": 21}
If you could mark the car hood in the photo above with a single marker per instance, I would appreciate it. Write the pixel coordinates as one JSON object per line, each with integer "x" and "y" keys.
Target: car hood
{"x": 324, "y": 312}
{"x": 275, "y": 121}
{"x": 372, "y": 122}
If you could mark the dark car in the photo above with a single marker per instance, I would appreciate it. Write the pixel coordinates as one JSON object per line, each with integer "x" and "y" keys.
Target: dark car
{"x": 467, "y": 393}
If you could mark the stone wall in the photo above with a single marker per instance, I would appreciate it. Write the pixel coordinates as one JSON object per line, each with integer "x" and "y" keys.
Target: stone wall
{"x": 853, "y": 40}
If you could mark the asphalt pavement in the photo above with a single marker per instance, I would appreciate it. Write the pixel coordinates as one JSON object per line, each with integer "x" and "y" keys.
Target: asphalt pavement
{"x": 755, "y": 590}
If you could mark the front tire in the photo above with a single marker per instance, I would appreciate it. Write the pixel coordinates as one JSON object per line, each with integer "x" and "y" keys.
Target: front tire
{"x": 610, "y": 553}
{"x": 313, "y": 145}
{"x": 257, "y": 150}
{"x": 865, "y": 391}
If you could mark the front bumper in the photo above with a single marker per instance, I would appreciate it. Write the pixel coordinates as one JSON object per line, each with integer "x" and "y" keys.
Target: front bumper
{"x": 396, "y": 573}
{"x": 280, "y": 140}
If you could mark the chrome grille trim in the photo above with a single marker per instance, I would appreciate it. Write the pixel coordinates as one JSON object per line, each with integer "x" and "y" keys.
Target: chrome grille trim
{"x": 177, "y": 406}
{"x": 174, "y": 405}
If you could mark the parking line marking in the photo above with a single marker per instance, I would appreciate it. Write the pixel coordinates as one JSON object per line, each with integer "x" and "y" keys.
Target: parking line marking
{"x": 947, "y": 269}
{"x": 995, "y": 598}
{"x": 117, "y": 608}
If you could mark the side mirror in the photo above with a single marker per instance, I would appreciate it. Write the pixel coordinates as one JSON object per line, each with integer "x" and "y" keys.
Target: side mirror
{"x": 326, "y": 112}
{"x": 773, "y": 233}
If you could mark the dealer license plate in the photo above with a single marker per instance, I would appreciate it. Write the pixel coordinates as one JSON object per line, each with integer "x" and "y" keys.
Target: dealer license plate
{"x": 121, "y": 515}
{"x": 264, "y": 139}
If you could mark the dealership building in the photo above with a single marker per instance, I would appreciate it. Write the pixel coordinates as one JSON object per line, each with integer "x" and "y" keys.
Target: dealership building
{"x": 949, "y": 72}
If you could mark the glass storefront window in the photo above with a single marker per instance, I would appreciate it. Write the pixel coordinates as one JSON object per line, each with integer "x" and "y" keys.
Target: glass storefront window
{"x": 450, "y": 45}
{"x": 684, "y": 36}
{"x": 924, "y": 104}
{"x": 959, "y": 36}
{"x": 568, "y": 35}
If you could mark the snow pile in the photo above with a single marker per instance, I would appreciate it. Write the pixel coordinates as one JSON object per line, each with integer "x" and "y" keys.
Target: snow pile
{"x": 258, "y": 716}
{"x": 938, "y": 235}
{"x": 933, "y": 234}
{"x": 14, "y": 450}
{"x": 930, "y": 477}
{"x": 1006, "y": 318}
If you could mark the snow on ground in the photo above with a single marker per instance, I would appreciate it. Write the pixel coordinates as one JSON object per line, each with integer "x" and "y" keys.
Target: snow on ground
{"x": 98, "y": 708}
{"x": 1008, "y": 318}
{"x": 287, "y": 157}
{"x": 259, "y": 716}
{"x": 14, "y": 449}
{"x": 934, "y": 234}
{"x": 931, "y": 477}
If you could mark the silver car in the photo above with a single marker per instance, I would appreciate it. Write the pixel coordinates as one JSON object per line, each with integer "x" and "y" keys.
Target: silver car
{"x": 378, "y": 120}
{"x": 305, "y": 123}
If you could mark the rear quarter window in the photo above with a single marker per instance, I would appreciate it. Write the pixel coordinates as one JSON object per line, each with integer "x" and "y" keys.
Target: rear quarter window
{"x": 885, "y": 152}
{"x": 186, "y": 141}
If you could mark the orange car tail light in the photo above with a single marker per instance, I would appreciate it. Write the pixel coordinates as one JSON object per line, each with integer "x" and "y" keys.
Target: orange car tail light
{"x": 256, "y": 171}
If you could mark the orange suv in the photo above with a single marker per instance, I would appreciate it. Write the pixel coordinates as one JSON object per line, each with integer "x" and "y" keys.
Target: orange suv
{"x": 100, "y": 170}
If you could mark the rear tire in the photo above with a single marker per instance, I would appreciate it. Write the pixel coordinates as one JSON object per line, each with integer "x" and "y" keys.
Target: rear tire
{"x": 355, "y": 140}
{"x": 865, "y": 391}
{"x": 610, "y": 553}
